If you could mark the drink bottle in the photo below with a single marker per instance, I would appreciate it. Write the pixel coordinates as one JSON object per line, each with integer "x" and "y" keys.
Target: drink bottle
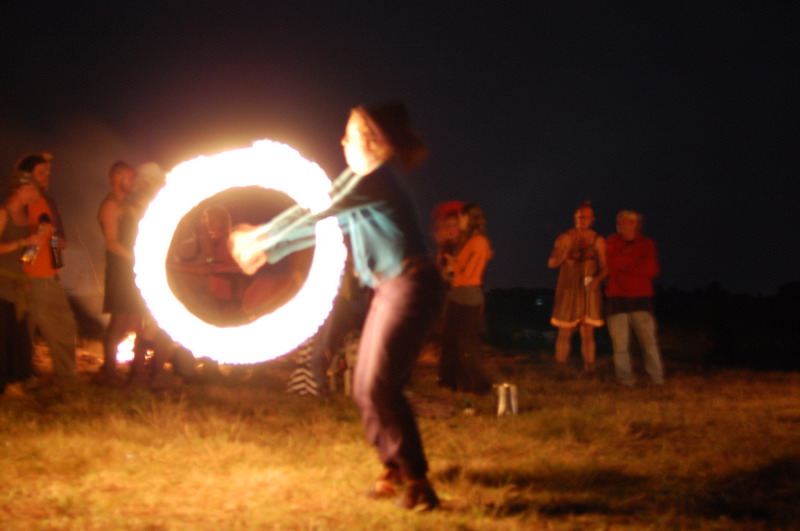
{"x": 57, "y": 262}
{"x": 29, "y": 254}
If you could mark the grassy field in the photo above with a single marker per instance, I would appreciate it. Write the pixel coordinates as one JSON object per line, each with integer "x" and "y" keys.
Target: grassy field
{"x": 710, "y": 450}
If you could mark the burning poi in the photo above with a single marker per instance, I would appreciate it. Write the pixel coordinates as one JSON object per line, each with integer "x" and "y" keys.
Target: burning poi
{"x": 269, "y": 165}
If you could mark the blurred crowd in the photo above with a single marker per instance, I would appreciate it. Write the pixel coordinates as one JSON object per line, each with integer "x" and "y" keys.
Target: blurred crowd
{"x": 601, "y": 282}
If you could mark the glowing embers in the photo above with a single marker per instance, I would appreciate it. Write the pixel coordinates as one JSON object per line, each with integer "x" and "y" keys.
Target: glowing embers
{"x": 266, "y": 165}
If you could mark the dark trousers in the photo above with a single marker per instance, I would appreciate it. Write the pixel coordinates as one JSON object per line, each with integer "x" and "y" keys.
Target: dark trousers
{"x": 16, "y": 351}
{"x": 462, "y": 366}
{"x": 397, "y": 323}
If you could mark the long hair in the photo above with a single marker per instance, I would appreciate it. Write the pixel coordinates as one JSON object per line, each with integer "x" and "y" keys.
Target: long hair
{"x": 476, "y": 222}
{"x": 392, "y": 123}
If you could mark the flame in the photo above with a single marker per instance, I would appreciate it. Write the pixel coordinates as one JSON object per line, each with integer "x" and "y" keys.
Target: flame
{"x": 269, "y": 165}
{"x": 125, "y": 348}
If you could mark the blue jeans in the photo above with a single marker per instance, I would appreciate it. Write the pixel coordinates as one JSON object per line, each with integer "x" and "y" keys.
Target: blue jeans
{"x": 644, "y": 326}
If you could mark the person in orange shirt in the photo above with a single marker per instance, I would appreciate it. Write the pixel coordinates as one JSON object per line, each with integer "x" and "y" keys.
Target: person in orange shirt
{"x": 462, "y": 367}
{"x": 48, "y": 308}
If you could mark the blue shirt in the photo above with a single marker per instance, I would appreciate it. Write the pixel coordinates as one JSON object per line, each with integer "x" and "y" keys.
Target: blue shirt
{"x": 375, "y": 211}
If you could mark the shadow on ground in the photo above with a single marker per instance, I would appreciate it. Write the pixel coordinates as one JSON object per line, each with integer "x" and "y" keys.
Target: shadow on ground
{"x": 767, "y": 495}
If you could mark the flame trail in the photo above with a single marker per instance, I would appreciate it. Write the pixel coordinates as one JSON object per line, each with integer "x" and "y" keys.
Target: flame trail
{"x": 270, "y": 165}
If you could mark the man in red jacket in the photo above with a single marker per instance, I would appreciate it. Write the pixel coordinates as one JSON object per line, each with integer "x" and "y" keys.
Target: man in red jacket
{"x": 632, "y": 265}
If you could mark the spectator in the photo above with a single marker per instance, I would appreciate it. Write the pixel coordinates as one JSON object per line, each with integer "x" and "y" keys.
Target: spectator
{"x": 209, "y": 281}
{"x": 48, "y": 307}
{"x": 580, "y": 255}
{"x": 16, "y": 364}
{"x": 118, "y": 217}
{"x": 446, "y": 235}
{"x": 462, "y": 366}
{"x": 632, "y": 265}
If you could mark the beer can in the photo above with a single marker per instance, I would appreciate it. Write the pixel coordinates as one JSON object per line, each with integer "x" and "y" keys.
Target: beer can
{"x": 506, "y": 399}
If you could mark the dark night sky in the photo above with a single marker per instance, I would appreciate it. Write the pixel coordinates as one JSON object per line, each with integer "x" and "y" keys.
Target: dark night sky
{"x": 688, "y": 114}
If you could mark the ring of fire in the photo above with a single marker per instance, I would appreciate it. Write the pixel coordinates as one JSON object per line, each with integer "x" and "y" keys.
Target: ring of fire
{"x": 270, "y": 165}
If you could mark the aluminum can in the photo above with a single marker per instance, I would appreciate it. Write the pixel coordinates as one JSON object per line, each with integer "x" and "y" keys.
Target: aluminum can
{"x": 506, "y": 399}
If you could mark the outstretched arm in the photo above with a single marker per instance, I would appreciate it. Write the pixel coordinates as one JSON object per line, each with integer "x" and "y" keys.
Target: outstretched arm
{"x": 291, "y": 230}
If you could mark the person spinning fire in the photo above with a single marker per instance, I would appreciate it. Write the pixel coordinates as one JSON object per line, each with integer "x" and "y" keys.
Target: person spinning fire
{"x": 389, "y": 254}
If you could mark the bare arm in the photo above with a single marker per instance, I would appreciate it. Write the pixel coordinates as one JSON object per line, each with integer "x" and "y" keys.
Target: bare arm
{"x": 602, "y": 266}
{"x": 560, "y": 251}
{"x": 471, "y": 260}
{"x": 10, "y": 247}
{"x": 109, "y": 214}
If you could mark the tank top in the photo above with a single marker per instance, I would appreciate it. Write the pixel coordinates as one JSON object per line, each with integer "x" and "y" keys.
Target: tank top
{"x": 42, "y": 266}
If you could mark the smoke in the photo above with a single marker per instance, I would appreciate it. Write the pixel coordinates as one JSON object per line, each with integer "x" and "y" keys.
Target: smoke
{"x": 83, "y": 150}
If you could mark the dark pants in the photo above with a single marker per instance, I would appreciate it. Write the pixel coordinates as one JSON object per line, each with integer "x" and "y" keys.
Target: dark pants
{"x": 397, "y": 323}
{"x": 462, "y": 366}
{"x": 16, "y": 351}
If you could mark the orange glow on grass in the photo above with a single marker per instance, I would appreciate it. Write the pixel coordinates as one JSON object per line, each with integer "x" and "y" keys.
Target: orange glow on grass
{"x": 270, "y": 165}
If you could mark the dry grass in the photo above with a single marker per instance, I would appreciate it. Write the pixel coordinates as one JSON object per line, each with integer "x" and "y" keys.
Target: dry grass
{"x": 707, "y": 451}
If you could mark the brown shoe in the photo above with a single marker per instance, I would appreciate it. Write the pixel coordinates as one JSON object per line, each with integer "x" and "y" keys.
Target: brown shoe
{"x": 419, "y": 496}
{"x": 386, "y": 484}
